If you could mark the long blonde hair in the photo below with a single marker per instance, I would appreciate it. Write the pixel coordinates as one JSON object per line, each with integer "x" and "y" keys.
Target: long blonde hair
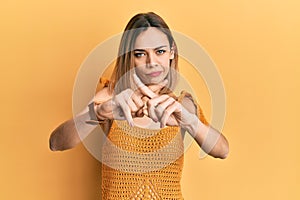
{"x": 125, "y": 62}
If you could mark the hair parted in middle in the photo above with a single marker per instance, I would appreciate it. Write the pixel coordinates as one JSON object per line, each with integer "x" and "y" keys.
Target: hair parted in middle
{"x": 124, "y": 63}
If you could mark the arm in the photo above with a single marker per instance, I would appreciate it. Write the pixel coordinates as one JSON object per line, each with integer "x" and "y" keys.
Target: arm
{"x": 209, "y": 139}
{"x": 66, "y": 135}
{"x": 185, "y": 113}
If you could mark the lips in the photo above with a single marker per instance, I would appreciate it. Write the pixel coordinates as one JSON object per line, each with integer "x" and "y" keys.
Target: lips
{"x": 154, "y": 74}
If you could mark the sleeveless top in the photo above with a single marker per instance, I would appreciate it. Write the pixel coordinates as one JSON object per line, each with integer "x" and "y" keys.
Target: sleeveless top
{"x": 140, "y": 163}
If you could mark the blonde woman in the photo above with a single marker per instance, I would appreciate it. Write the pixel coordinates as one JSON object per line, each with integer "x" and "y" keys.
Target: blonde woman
{"x": 144, "y": 121}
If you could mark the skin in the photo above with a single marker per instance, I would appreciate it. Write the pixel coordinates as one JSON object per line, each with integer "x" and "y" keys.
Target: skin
{"x": 152, "y": 54}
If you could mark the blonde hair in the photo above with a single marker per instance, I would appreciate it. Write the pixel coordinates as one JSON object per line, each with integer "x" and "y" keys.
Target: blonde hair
{"x": 125, "y": 62}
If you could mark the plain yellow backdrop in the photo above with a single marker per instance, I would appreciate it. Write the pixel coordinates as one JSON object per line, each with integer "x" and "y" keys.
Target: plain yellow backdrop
{"x": 255, "y": 45}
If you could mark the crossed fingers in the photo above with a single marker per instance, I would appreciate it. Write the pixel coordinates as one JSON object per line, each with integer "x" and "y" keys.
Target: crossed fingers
{"x": 159, "y": 107}
{"x": 129, "y": 103}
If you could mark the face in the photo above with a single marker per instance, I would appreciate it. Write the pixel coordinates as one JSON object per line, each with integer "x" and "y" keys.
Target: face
{"x": 152, "y": 54}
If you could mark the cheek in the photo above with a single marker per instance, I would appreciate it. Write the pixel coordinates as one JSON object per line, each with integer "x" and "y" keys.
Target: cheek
{"x": 166, "y": 71}
{"x": 136, "y": 63}
{"x": 139, "y": 71}
{"x": 139, "y": 62}
{"x": 166, "y": 64}
{"x": 165, "y": 60}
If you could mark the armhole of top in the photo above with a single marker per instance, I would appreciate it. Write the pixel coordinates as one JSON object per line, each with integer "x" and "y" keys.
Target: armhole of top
{"x": 199, "y": 112}
{"x": 103, "y": 82}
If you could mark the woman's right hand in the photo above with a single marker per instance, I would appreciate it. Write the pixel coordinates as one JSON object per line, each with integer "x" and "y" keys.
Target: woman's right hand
{"x": 126, "y": 105}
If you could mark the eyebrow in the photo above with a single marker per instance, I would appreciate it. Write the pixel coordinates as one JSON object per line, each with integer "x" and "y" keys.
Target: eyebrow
{"x": 154, "y": 48}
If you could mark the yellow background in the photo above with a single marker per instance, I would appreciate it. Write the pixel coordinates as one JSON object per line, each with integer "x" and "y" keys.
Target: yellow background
{"x": 255, "y": 45}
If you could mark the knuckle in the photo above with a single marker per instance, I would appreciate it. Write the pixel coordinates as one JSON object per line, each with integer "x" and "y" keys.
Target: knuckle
{"x": 168, "y": 112}
{"x": 134, "y": 109}
{"x": 150, "y": 103}
{"x": 177, "y": 104}
{"x": 128, "y": 92}
{"x": 145, "y": 98}
{"x": 140, "y": 104}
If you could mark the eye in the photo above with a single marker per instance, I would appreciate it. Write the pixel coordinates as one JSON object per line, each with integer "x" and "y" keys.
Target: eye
{"x": 160, "y": 51}
{"x": 138, "y": 54}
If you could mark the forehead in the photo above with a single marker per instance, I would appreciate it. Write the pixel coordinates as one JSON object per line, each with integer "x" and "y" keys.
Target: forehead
{"x": 151, "y": 38}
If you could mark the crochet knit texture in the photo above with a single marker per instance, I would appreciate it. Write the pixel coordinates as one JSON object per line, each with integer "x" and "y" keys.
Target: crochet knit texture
{"x": 142, "y": 163}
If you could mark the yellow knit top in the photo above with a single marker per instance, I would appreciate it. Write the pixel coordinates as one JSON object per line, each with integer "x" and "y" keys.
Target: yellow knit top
{"x": 142, "y": 163}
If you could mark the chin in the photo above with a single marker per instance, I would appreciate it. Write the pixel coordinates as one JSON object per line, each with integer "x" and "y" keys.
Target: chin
{"x": 153, "y": 82}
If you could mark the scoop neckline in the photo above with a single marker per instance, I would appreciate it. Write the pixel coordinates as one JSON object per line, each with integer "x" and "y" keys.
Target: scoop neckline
{"x": 125, "y": 125}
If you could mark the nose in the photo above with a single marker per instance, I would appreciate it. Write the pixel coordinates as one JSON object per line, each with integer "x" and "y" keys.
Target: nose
{"x": 151, "y": 59}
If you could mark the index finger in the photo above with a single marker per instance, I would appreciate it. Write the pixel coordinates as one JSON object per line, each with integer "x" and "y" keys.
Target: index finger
{"x": 142, "y": 87}
{"x": 151, "y": 90}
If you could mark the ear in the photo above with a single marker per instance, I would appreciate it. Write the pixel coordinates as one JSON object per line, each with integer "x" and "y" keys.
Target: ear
{"x": 172, "y": 52}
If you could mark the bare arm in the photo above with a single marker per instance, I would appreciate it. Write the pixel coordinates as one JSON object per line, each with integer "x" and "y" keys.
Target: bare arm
{"x": 185, "y": 113}
{"x": 66, "y": 135}
{"x": 209, "y": 139}
{"x": 124, "y": 105}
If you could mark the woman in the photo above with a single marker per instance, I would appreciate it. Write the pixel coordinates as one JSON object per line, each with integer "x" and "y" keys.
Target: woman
{"x": 144, "y": 121}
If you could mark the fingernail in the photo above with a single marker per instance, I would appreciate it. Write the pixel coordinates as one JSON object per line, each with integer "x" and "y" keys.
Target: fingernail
{"x": 165, "y": 82}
